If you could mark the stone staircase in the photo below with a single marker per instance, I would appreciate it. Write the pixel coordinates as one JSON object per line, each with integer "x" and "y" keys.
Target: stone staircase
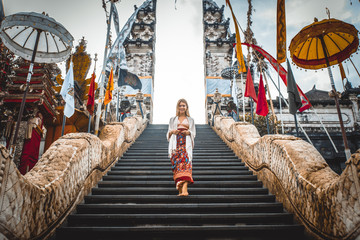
{"x": 137, "y": 198}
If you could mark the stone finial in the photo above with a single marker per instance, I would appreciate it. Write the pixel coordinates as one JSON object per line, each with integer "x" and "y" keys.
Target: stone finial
{"x": 139, "y": 96}
{"x": 217, "y": 96}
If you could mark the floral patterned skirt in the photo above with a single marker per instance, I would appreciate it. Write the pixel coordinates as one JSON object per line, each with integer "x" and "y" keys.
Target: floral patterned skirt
{"x": 181, "y": 166}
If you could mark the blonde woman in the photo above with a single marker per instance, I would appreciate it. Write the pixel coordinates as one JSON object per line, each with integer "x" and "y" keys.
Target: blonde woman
{"x": 181, "y": 135}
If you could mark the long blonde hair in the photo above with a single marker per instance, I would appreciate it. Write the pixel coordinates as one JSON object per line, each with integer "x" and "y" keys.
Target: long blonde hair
{"x": 182, "y": 100}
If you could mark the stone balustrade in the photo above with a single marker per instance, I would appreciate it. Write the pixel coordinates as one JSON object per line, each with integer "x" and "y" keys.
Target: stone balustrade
{"x": 32, "y": 206}
{"x": 326, "y": 203}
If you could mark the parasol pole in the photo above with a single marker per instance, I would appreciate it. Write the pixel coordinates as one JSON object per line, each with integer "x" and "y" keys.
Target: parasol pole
{"x": 346, "y": 146}
{"x": 22, "y": 106}
{"x": 102, "y": 76}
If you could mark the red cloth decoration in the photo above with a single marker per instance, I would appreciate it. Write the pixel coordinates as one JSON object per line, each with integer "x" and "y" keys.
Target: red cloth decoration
{"x": 30, "y": 153}
{"x": 283, "y": 73}
{"x": 249, "y": 87}
{"x": 91, "y": 99}
{"x": 262, "y": 108}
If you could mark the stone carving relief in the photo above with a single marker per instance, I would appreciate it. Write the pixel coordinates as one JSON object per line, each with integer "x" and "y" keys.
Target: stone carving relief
{"x": 212, "y": 17}
{"x": 213, "y": 33}
{"x": 215, "y": 63}
{"x": 144, "y": 34}
{"x": 140, "y": 64}
{"x": 146, "y": 18}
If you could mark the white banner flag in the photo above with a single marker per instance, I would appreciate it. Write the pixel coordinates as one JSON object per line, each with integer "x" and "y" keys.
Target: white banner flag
{"x": 67, "y": 92}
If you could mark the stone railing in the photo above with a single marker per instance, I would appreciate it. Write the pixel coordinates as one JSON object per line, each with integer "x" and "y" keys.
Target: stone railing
{"x": 32, "y": 206}
{"x": 327, "y": 204}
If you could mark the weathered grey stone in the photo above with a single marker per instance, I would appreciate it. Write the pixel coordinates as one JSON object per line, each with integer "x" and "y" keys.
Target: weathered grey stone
{"x": 62, "y": 177}
{"x": 293, "y": 170}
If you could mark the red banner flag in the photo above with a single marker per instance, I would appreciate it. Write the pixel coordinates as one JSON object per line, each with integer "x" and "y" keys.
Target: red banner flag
{"x": 283, "y": 73}
{"x": 249, "y": 87}
{"x": 91, "y": 99}
{"x": 262, "y": 108}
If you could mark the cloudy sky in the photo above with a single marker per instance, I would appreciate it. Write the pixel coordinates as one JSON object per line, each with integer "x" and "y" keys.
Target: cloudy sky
{"x": 179, "y": 69}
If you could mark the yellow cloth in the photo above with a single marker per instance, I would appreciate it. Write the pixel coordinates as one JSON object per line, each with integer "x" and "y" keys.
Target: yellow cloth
{"x": 239, "y": 53}
{"x": 109, "y": 88}
{"x": 281, "y": 31}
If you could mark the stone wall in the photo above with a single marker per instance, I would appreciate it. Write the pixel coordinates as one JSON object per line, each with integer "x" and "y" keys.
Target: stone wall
{"x": 32, "y": 206}
{"x": 326, "y": 203}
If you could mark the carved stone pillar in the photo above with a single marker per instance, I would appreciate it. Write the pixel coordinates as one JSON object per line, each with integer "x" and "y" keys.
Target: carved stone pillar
{"x": 140, "y": 102}
{"x": 355, "y": 107}
{"x": 217, "y": 99}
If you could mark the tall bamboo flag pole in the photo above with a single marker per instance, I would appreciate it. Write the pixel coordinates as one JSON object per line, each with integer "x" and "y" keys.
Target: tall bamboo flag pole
{"x": 267, "y": 86}
{"x": 91, "y": 95}
{"x": 281, "y": 46}
{"x": 302, "y": 129}
{"x": 239, "y": 53}
{"x": 68, "y": 93}
{"x": 102, "y": 76}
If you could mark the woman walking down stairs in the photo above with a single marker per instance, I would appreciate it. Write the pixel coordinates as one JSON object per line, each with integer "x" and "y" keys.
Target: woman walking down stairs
{"x": 137, "y": 198}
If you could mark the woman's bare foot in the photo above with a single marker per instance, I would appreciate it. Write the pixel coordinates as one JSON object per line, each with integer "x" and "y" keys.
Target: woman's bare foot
{"x": 180, "y": 187}
{"x": 184, "y": 190}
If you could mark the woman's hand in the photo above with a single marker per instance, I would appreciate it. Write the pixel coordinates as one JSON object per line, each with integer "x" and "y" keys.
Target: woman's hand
{"x": 187, "y": 133}
{"x": 176, "y": 132}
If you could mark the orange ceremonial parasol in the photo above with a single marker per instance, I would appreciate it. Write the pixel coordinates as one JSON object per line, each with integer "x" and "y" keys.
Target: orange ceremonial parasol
{"x": 323, "y": 44}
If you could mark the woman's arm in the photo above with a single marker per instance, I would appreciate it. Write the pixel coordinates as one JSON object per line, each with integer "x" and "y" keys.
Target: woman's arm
{"x": 171, "y": 130}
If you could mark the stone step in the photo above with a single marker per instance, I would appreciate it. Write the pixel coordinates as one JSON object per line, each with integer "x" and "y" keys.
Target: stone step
{"x": 195, "y": 164}
{"x": 166, "y": 156}
{"x": 130, "y": 161}
{"x": 196, "y": 172}
{"x": 253, "y": 232}
{"x": 175, "y": 199}
{"x": 214, "y": 168}
{"x": 117, "y": 220}
{"x": 137, "y": 198}
{"x": 141, "y": 148}
{"x": 199, "y": 184}
{"x": 180, "y": 208}
{"x": 220, "y": 178}
{"x": 210, "y": 154}
{"x": 173, "y": 191}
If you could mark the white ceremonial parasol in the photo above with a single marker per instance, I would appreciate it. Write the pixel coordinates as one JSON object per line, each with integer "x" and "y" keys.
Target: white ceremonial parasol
{"x": 37, "y": 38}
